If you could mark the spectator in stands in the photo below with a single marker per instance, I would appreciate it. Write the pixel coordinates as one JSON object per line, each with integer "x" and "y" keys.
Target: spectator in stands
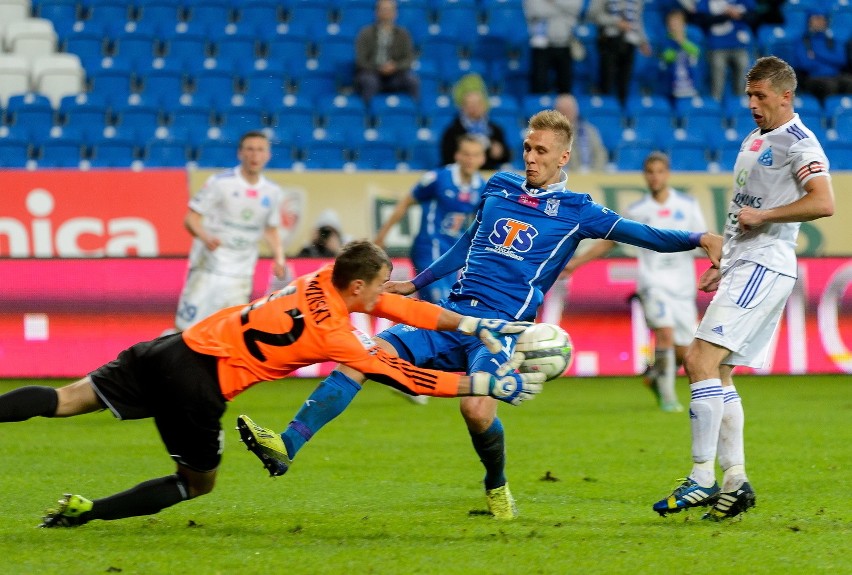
{"x": 679, "y": 57}
{"x": 383, "y": 56}
{"x": 765, "y": 12}
{"x": 729, "y": 42}
{"x": 472, "y": 118}
{"x": 327, "y": 239}
{"x": 588, "y": 153}
{"x": 551, "y": 25}
{"x": 620, "y": 33}
{"x": 821, "y": 59}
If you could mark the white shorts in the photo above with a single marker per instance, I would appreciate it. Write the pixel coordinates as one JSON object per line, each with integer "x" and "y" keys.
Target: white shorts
{"x": 665, "y": 310}
{"x": 205, "y": 293}
{"x": 745, "y": 312}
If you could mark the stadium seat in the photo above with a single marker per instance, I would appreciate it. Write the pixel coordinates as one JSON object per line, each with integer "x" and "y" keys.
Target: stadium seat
{"x": 309, "y": 17}
{"x": 638, "y": 106}
{"x": 30, "y": 112}
{"x": 111, "y": 15}
{"x": 349, "y": 20}
{"x": 63, "y": 13}
{"x": 113, "y": 83}
{"x": 113, "y": 154}
{"x": 295, "y": 111}
{"x": 57, "y": 75}
{"x": 160, "y": 15}
{"x": 165, "y": 154}
{"x": 13, "y": 11}
{"x": 265, "y": 87}
{"x": 776, "y": 40}
{"x": 192, "y": 121}
{"x": 393, "y": 109}
{"x": 282, "y": 157}
{"x": 165, "y": 86}
{"x": 239, "y": 50}
{"x": 212, "y": 15}
{"x": 836, "y": 103}
{"x": 313, "y": 83}
{"x": 210, "y": 154}
{"x": 376, "y": 155}
{"x": 30, "y": 38}
{"x": 320, "y": 155}
{"x": 839, "y": 154}
{"x": 190, "y": 49}
{"x": 259, "y": 18}
{"x": 214, "y": 88}
{"x": 460, "y": 21}
{"x": 87, "y": 118}
{"x": 424, "y": 155}
{"x": 14, "y": 152}
{"x": 140, "y": 119}
{"x": 14, "y": 77}
{"x": 689, "y": 156}
{"x": 630, "y": 156}
{"x": 137, "y": 49}
{"x": 60, "y": 153}
{"x": 236, "y": 120}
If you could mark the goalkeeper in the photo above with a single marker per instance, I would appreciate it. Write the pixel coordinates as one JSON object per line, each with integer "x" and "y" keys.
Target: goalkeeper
{"x": 184, "y": 380}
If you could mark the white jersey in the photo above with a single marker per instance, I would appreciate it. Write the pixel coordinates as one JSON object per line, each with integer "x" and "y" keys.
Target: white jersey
{"x": 237, "y": 213}
{"x": 672, "y": 273}
{"x": 771, "y": 171}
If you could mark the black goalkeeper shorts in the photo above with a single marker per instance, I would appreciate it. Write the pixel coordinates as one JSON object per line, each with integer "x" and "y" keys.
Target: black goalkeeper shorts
{"x": 177, "y": 387}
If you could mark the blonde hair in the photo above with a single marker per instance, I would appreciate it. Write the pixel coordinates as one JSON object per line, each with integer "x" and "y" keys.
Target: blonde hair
{"x": 555, "y": 122}
{"x": 774, "y": 70}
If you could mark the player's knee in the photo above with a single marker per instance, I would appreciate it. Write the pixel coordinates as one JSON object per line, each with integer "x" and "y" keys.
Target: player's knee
{"x": 197, "y": 483}
{"x": 478, "y": 412}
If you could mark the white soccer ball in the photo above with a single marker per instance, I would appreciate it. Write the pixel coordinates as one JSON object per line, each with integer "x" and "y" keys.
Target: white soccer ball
{"x": 547, "y": 349}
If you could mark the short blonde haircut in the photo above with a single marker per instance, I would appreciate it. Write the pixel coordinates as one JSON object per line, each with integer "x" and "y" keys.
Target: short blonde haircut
{"x": 555, "y": 122}
{"x": 774, "y": 70}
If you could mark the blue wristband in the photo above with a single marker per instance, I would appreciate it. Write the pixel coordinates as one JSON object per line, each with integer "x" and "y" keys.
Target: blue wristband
{"x": 423, "y": 279}
{"x": 695, "y": 238}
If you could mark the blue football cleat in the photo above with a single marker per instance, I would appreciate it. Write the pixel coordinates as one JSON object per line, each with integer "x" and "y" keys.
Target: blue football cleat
{"x": 687, "y": 494}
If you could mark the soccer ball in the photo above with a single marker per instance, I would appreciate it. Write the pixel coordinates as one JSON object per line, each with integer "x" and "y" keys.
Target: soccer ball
{"x": 547, "y": 348}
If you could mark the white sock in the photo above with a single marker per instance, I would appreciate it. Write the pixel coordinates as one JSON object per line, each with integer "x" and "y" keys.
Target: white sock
{"x": 731, "y": 448}
{"x": 664, "y": 364}
{"x": 705, "y": 415}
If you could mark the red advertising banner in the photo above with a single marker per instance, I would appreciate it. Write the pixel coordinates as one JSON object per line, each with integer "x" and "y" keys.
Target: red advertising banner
{"x": 102, "y": 213}
{"x": 63, "y": 318}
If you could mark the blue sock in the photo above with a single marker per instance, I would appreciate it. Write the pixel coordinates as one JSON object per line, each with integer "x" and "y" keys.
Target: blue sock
{"x": 328, "y": 400}
{"x": 490, "y": 446}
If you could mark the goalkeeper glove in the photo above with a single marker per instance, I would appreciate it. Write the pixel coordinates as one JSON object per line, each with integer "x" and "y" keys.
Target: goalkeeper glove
{"x": 506, "y": 384}
{"x": 488, "y": 330}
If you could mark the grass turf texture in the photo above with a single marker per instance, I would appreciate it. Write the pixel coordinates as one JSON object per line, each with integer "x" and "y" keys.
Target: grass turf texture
{"x": 391, "y": 487}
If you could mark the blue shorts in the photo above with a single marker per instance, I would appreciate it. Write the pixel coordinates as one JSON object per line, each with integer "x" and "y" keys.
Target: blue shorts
{"x": 449, "y": 350}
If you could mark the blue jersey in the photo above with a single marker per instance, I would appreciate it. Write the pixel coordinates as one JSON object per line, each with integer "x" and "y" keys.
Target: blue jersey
{"x": 522, "y": 239}
{"x": 447, "y": 205}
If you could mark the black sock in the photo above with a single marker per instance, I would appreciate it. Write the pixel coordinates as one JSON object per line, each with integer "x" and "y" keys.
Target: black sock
{"x": 146, "y": 498}
{"x": 26, "y": 402}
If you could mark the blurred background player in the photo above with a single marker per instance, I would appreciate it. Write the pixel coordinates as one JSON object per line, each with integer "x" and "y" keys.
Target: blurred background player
{"x": 384, "y": 52}
{"x": 781, "y": 179}
{"x": 327, "y": 239}
{"x": 448, "y": 198}
{"x": 184, "y": 381}
{"x": 666, "y": 283}
{"x": 524, "y": 232}
{"x": 227, "y": 218}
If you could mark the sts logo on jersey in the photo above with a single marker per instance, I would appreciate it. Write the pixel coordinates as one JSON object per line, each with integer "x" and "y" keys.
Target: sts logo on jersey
{"x": 511, "y": 236}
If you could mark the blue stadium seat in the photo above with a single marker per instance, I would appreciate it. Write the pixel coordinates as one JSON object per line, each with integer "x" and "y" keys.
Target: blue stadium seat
{"x": 60, "y": 12}
{"x": 86, "y": 119}
{"x": 30, "y": 112}
{"x": 236, "y": 120}
{"x": 136, "y": 50}
{"x": 239, "y": 50}
{"x": 376, "y": 155}
{"x": 322, "y": 155}
{"x": 212, "y": 15}
{"x": 282, "y": 157}
{"x": 309, "y": 17}
{"x": 630, "y": 156}
{"x": 259, "y": 17}
{"x": 416, "y": 19}
{"x": 776, "y": 40}
{"x": 162, "y": 85}
{"x": 265, "y": 87}
{"x": 214, "y": 88}
{"x": 648, "y": 106}
{"x": 193, "y": 122}
{"x": 296, "y": 111}
{"x": 212, "y": 154}
{"x": 313, "y": 83}
{"x": 113, "y": 153}
{"x": 112, "y": 83}
{"x": 424, "y": 155}
{"x": 349, "y": 21}
{"x": 839, "y": 154}
{"x": 162, "y": 15}
{"x": 188, "y": 49}
{"x": 726, "y": 157}
{"x": 394, "y": 108}
{"x": 14, "y": 152}
{"x": 166, "y": 154}
{"x": 60, "y": 153}
{"x": 689, "y": 156}
{"x": 89, "y": 46}
{"x": 458, "y": 20}
{"x": 836, "y": 103}
{"x": 140, "y": 119}
{"x": 112, "y": 15}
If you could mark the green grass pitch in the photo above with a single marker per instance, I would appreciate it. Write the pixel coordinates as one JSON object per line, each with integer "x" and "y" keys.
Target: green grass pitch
{"x": 391, "y": 487}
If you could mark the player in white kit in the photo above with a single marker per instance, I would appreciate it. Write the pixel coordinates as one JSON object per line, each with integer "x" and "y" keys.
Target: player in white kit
{"x": 227, "y": 218}
{"x": 780, "y": 179}
{"x": 666, "y": 284}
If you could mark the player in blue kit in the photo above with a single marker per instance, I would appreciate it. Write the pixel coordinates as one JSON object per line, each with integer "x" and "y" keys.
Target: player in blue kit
{"x": 448, "y": 197}
{"x": 525, "y": 231}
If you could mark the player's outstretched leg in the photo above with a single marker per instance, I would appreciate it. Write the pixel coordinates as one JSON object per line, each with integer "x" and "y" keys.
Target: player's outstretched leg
{"x": 687, "y": 494}
{"x": 488, "y": 438}
{"x": 732, "y": 503}
{"x": 265, "y": 444}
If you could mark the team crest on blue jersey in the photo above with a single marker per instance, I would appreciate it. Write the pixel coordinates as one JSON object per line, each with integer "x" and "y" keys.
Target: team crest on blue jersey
{"x": 766, "y": 157}
{"x": 552, "y": 207}
{"x": 511, "y": 236}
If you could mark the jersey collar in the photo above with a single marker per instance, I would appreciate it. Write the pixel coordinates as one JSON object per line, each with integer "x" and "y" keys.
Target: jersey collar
{"x": 560, "y": 186}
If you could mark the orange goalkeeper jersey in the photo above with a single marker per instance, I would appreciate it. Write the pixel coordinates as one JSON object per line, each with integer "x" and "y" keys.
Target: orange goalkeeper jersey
{"x": 306, "y": 323}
